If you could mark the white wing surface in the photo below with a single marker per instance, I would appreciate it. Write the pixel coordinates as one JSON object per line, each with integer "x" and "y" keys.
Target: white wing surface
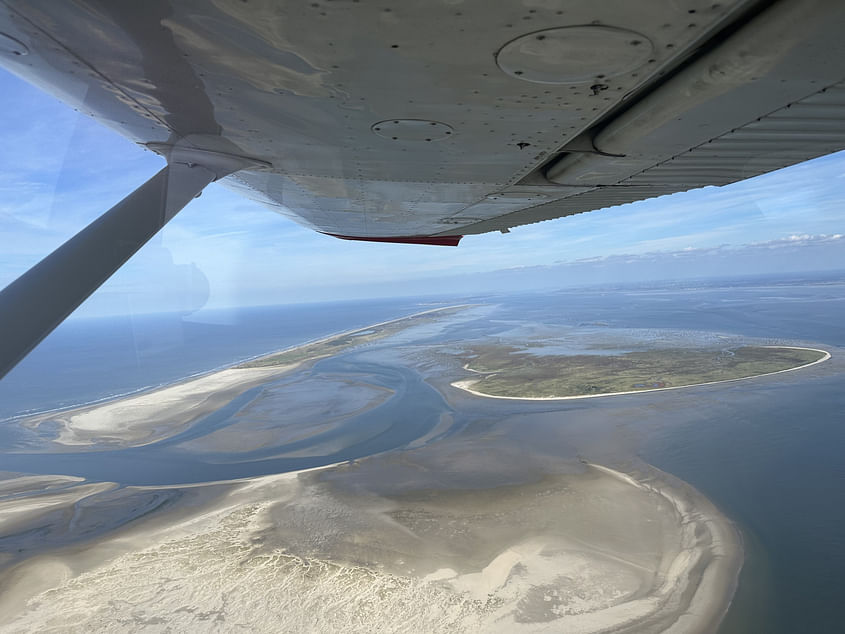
{"x": 421, "y": 122}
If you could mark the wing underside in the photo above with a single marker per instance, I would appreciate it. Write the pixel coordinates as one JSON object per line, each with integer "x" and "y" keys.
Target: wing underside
{"x": 410, "y": 120}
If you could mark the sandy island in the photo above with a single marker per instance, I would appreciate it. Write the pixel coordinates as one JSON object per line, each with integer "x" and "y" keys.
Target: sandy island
{"x": 598, "y": 551}
{"x": 150, "y": 416}
{"x": 154, "y": 415}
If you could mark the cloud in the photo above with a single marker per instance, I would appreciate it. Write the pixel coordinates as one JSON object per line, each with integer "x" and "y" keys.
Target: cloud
{"x": 787, "y": 242}
{"x": 66, "y": 170}
{"x": 795, "y": 240}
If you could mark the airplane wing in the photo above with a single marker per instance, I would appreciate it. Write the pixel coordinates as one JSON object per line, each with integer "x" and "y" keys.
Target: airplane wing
{"x": 425, "y": 121}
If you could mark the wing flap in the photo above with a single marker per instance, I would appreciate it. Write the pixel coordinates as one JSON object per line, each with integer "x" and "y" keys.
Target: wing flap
{"x": 742, "y": 153}
{"x": 768, "y": 97}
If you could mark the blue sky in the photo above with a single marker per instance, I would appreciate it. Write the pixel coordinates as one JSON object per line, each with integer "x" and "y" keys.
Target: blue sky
{"x": 59, "y": 170}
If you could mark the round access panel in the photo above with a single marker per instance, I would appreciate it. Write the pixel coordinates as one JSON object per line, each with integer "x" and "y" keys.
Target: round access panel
{"x": 574, "y": 54}
{"x": 412, "y": 130}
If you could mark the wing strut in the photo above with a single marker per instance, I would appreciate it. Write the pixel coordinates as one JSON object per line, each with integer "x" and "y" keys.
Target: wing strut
{"x": 40, "y": 299}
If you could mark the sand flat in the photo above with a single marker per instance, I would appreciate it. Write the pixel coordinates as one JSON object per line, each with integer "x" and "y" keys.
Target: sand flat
{"x": 150, "y": 416}
{"x": 153, "y": 415}
{"x": 597, "y": 551}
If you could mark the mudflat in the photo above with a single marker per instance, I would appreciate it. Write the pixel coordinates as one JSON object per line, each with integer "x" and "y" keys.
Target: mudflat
{"x": 592, "y": 551}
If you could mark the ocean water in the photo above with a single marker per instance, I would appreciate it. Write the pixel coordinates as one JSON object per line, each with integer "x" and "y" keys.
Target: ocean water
{"x": 88, "y": 360}
{"x": 770, "y": 454}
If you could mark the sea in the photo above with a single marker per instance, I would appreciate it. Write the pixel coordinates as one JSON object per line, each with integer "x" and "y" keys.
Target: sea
{"x": 93, "y": 359}
{"x": 770, "y": 454}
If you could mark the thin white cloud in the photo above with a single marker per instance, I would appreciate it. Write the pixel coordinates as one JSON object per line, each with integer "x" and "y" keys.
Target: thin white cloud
{"x": 65, "y": 170}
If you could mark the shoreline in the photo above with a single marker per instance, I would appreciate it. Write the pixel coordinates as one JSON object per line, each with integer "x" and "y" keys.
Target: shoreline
{"x": 688, "y": 587}
{"x": 718, "y": 581}
{"x": 344, "y": 333}
{"x": 203, "y": 373}
{"x": 466, "y": 384}
{"x": 140, "y": 417}
{"x": 689, "y": 591}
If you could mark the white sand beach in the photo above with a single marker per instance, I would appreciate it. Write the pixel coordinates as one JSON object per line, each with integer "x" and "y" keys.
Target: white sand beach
{"x": 151, "y": 416}
{"x": 156, "y": 414}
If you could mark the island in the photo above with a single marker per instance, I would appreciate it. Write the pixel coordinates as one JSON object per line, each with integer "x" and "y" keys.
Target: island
{"x": 508, "y": 371}
{"x": 379, "y": 545}
{"x": 335, "y": 344}
{"x": 154, "y": 415}
{"x": 469, "y": 525}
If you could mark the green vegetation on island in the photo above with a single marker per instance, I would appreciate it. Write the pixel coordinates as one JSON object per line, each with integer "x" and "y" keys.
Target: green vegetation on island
{"x": 513, "y": 372}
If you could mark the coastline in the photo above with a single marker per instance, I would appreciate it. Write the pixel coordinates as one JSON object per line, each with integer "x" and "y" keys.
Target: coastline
{"x": 151, "y": 416}
{"x": 721, "y": 553}
{"x": 156, "y": 564}
{"x": 223, "y": 541}
{"x": 148, "y": 416}
{"x": 466, "y": 384}
{"x": 345, "y": 333}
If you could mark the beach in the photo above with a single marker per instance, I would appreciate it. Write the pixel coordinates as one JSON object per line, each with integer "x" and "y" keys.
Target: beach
{"x": 154, "y": 415}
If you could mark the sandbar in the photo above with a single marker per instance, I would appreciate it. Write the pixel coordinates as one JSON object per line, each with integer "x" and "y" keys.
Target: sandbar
{"x": 151, "y": 416}
{"x": 599, "y": 551}
{"x": 154, "y": 415}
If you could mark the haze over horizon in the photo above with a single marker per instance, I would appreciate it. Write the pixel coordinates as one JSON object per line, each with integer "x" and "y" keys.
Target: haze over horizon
{"x": 225, "y": 251}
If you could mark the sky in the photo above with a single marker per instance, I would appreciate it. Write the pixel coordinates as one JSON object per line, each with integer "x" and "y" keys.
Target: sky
{"x": 59, "y": 170}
